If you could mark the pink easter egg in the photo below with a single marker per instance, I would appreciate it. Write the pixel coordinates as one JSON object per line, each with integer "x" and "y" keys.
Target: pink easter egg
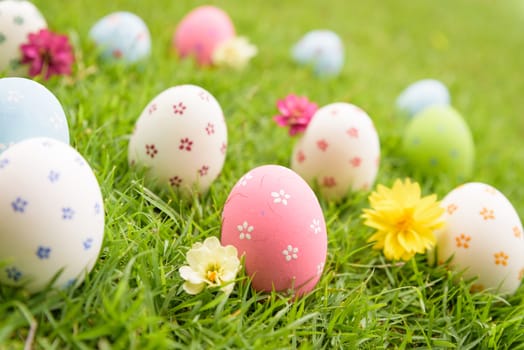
{"x": 200, "y": 31}
{"x": 274, "y": 218}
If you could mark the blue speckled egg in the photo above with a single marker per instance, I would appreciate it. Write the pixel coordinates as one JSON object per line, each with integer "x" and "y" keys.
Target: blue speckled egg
{"x": 121, "y": 36}
{"x": 28, "y": 109}
{"x": 422, "y": 94}
{"x": 323, "y": 50}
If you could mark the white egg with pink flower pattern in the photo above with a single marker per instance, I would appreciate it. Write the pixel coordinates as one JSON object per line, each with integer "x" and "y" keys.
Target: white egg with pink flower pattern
{"x": 482, "y": 237}
{"x": 181, "y": 138}
{"x": 339, "y": 151}
{"x": 273, "y": 218}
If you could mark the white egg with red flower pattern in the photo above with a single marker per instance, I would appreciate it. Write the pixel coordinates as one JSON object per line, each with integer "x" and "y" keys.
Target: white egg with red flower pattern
{"x": 17, "y": 20}
{"x": 181, "y": 138}
{"x": 483, "y": 237}
{"x": 273, "y": 217}
{"x": 52, "y": 215}
{"x": 339, "y": 151}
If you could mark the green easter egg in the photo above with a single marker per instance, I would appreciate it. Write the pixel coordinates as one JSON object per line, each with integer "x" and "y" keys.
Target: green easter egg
{"x": 438, "y": 140}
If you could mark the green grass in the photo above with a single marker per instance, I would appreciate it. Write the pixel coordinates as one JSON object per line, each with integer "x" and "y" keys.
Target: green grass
{"x": 133, "y": 298}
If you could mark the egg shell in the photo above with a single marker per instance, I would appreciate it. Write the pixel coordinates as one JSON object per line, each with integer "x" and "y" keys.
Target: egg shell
{"x": 28, "y": 109}
{"x": 181, "y": 137}
{"x": 437, "y": 141}
{"x": 17, "y": 20}
{"x": 200, "y": 31}
{"x": 422, "y": 94}
{"x": 483, "y": 235}
{"x": 122, "y": 36}
{"x": 52, "y": 215}
{"x": 323, "y": 49}
{"x": 339, "y": 151}
{"x": 273, "y": 218}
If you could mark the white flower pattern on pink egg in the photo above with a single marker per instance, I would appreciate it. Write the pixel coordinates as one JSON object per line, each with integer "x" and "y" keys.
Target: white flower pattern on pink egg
{"x": 280, "y": 197}
{"x": 290, "y": 253}
{"x": 320, "y": 268}
{"x": 245, "y": 230}
{"x": 244, "y": 180}
{"x": 286, "y": 240}
{"x": 315, "y": 226}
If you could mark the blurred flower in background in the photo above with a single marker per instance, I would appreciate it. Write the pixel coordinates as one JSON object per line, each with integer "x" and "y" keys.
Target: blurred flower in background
{"x": 47, "y": 54}
{"x": 295, "y": 112}
{"x": 234, "y": 53}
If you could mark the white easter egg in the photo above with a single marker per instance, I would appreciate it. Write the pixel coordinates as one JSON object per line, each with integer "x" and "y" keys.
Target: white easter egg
{"x": 52, "y": 215}
{"x": 17, "y": 20}
{"x": 339, "y": 151}
{"x": 483, "y": 236}
{"x": 181, "y": 137}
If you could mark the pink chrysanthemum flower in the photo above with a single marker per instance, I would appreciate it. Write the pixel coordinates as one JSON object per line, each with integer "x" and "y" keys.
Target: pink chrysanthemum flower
{"x": 295, "y": 112}
{"x": 47, "y": 54}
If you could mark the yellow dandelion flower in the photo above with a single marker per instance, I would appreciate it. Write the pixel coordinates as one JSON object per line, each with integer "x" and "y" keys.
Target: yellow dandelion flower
{"x": 405, "y": 221}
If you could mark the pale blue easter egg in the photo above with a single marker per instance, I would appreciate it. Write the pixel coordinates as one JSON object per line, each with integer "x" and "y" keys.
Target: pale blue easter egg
{"x": 27, "y": 110}
{"x": 422, "y": 94}
{"x": 122, "y": 36}
{"x": 323, "y": 50}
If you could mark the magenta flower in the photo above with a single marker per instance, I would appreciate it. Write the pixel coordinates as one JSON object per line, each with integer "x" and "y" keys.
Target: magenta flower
{"x": 295, "y": 112}
{"x": 48, "y": 54}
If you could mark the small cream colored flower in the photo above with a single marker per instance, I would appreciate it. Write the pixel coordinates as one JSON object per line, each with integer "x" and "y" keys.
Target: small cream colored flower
{"x": 234, "y": 53}
{"x": 210, "y": 264}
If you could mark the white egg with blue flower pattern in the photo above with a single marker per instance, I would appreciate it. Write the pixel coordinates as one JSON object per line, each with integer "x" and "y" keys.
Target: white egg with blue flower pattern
{"x": 52, "y": 215}
{"x": 28, "y": 109}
